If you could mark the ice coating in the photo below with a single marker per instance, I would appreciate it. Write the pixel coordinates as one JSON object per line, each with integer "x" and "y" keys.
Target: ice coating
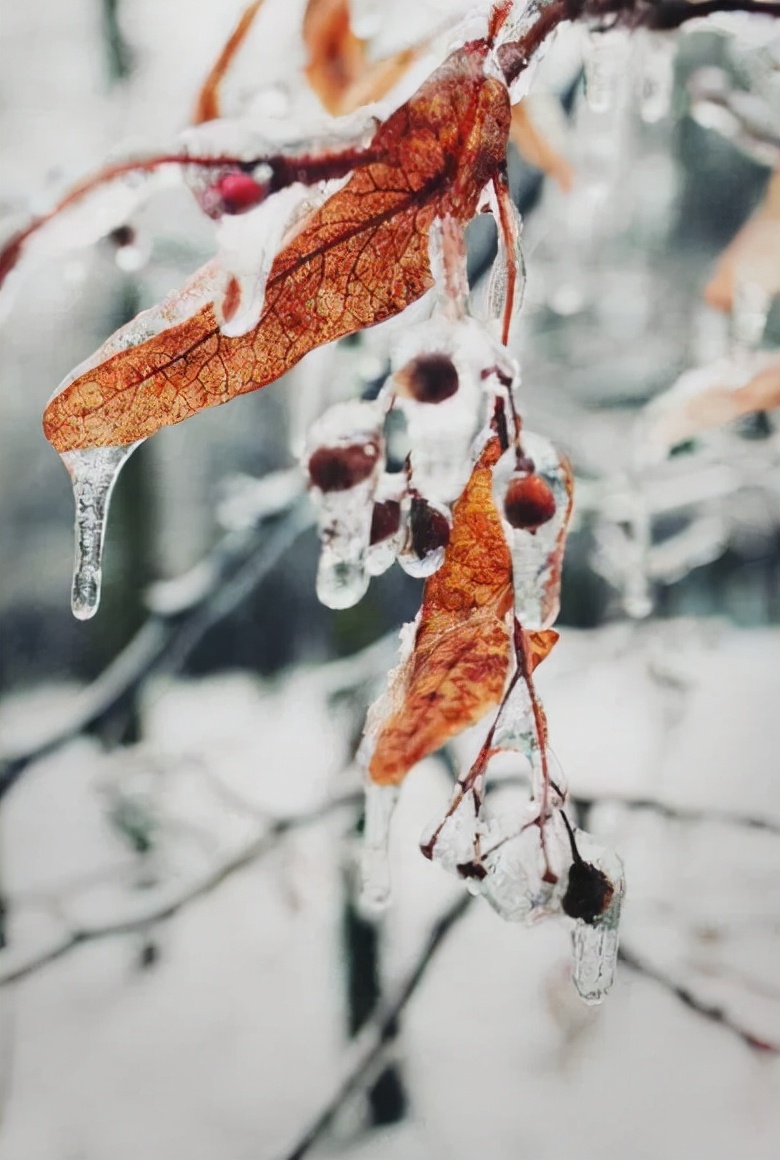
{"x": 511, "y": 254}
{"x": 537, "y": 553}
{"x": 454, "y": 843}
{"x": 248, "y": 246}
{"x": 344, "y": 458}
{"x": 93, "y": 473}
{"x": 380, "y": 801}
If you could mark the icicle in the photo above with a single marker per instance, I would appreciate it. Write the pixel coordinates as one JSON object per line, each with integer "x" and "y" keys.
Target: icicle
{"x": 93, "y": 473}
{"x": 657, "y": 77}
{"x": 533, "y": 495}
{"x": 752, "y": 301}
{"x": 344, "y": 462}
{"x": 380, "y": 801}
{"x": 607, "y": 58}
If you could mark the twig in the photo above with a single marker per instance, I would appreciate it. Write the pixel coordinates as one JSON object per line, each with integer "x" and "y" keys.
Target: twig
{"x": 679, "y": 813}
{"x": 165, "y": 641}
{"x": 707, "y": 1010}
{"x": 258, "y": 848}
{"x": 381, "y": 1031}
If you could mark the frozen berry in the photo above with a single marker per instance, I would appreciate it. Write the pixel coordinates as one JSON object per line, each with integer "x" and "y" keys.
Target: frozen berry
{"x": 238, "y": 193}
{"x": 529, "y": 503}
{"x": 588, "y": 892}
{"x": 340, "y": 468}
{"x": 429, "y": 378}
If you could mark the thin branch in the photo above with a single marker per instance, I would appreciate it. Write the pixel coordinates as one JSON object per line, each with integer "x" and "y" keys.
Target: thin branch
{"x": 254, "y": 850}
{"x": 380, "y": 1032}
{"x": 235, "y": 567}
{"x": 679, "y": 813}
{"x": 707, "y": 1010}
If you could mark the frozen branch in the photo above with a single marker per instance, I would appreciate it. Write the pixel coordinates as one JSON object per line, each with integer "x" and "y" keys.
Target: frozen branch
{"x": 709, "y": 1011}
{"x": 380, "y": 1032}
{"x": 251, "y": 852}
{"x": 679, "y": 813}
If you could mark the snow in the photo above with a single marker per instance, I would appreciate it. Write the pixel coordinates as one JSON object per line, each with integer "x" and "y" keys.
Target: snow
{"x": 230, "y": 1043}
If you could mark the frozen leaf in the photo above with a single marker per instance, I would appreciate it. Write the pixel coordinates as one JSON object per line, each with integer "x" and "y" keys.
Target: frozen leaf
{"x": 460, "y": 657}
{"x": 431, "y": 158}
{"x": 339, "y": 68}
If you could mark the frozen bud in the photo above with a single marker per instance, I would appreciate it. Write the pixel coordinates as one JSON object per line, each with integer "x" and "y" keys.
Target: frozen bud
{"x": 429, "y": 378}
{"x": 239, "y": 192}
{"x": 341, "y": 468}
{"x": 594, "y": 897}
{"x": 529, "y": 502}
{"x": 385, "y": 520}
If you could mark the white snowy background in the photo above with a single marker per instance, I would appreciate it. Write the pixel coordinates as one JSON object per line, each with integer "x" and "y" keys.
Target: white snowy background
{"x": 228, "y": 1045}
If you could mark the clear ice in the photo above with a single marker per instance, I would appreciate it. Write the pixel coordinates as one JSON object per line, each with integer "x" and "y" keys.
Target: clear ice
{"x": 498, "y": 285}
{"x": 380, "y": 801}
{"x": 93, "y": 473}
{"x": 536, "y": 555}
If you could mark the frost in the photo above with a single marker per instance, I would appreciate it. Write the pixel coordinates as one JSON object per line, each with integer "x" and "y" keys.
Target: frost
{"x": 93, "y": 473}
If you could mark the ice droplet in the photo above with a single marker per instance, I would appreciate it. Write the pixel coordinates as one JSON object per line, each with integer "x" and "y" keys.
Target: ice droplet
{"x": 386, "y": 539}
{"x": 537, "y": 552}
{"x": 93, "y": 473}
{"x": 380, "y": 801}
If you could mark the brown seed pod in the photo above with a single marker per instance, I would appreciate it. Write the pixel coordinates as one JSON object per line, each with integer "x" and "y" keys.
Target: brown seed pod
{"x": 340, "y": 468}
{"x": 529, "y": 502}
{"x": 429, "y": 378}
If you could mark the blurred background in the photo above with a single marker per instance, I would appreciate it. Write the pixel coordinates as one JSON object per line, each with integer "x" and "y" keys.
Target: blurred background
{"x": 184, "y": 970}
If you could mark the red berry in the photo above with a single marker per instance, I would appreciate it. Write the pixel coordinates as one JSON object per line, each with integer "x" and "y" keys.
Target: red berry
{"x": 529, "y": 502}
{"x": 385, "y": 520}
{"x": 429, "y": 378}
{"x": 340, "y": 468}
{"x": 238, "y": 192}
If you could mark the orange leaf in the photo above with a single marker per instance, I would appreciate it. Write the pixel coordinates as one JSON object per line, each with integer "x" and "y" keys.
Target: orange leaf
{"x": 338, "y": 68}
{"x": 359, "y": 259}
{"x": 463, "y": 643}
